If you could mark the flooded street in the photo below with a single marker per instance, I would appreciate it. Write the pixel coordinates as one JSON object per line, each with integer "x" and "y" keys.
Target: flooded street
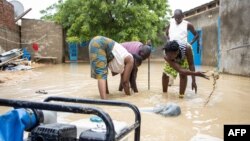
{"x": 229, "y": 103}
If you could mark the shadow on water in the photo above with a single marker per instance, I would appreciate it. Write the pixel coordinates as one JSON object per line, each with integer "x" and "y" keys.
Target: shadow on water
{"x": 229, "y": 103}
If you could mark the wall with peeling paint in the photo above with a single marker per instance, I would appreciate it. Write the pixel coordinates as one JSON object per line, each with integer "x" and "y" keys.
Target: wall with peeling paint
{"x": 207, "y": 23}
{"x": 235, "y": 36}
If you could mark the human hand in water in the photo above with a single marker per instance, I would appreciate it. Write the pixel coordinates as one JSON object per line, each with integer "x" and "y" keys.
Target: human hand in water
{"x": 202, "y": 74}
{"x": 194, "y": 87}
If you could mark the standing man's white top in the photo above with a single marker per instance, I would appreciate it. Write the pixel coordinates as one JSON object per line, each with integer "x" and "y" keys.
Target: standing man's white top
{"x": 178, "y": 28}
{"x": 178, "y": 31}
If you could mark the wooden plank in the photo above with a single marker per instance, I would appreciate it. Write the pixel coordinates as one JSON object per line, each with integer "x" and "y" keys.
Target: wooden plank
{"x": 38, "y": 58}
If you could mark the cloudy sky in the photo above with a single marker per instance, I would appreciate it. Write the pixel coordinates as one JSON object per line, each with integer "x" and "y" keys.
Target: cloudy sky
{"x": 186, "y": 4}
{"x": 38, "y": 5}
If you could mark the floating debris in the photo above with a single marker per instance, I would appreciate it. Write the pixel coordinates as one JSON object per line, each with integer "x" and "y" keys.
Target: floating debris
{"x": 170, "y": 109}
{"x": 41, "y": 92}
{"x": 215, "y": 75}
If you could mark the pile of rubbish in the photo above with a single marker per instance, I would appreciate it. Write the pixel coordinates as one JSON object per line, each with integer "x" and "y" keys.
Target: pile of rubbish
{"x": 11, "y": 61}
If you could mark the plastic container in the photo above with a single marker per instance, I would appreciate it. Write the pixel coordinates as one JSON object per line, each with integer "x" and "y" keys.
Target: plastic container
{"x": 26, "y": 54}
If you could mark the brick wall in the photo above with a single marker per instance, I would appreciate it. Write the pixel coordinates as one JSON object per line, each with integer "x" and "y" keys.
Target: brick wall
{"x": 7, "y": 18}
{"x": 9, "y": 31}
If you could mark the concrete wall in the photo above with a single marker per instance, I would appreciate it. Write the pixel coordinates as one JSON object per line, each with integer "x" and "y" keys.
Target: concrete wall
{"x": 9, "y": 31}
{"x": 235, "y": 36}
{"x": 9, "y": 39}
{"x": 207, "y": 22}
{"x": 210, "y": 45}
{"x": 48, "y": 36}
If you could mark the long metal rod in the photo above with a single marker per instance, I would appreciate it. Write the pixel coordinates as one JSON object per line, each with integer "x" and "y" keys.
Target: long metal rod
{"x": 149, "y": 73}
{"x": 23, "y": 14}
{"x": 136, "y": 126}
{"x": 110, "y": 134}
{"x": 127, "y": 131}
{"x": 242, "y": 46}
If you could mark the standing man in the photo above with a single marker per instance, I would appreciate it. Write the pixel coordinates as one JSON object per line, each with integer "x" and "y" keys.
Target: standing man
{"x": 177, "y": 30}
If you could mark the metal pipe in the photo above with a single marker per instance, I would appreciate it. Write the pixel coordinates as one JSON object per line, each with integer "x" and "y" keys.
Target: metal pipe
{"x": 127, "y": 130}
{"x": 242, "y": 46}
{"x": 23, "y": 14}
{"x": 110, "y": 134}
{"x": 136, "y": 126}
{"x": 149, "y": 73}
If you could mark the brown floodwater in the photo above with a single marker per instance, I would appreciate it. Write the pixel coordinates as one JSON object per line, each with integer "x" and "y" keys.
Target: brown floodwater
{"x": 228, "y": 104}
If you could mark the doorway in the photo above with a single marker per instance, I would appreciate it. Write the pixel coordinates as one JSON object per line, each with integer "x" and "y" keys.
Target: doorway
{"x": 197, "y": 46}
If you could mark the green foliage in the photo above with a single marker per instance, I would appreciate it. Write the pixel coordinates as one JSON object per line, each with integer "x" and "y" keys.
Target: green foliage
{"x": 73, "y": 39}
{"x": 121, "y": 20}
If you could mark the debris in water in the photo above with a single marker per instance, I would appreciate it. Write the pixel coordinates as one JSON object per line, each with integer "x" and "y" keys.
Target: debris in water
{"x": 41, "y": 92}
{"x": 170, "y": 109}
{"x": 215, "y": 75}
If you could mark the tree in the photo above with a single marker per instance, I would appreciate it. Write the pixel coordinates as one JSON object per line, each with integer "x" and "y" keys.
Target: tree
{"x": 121, "y": 20}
